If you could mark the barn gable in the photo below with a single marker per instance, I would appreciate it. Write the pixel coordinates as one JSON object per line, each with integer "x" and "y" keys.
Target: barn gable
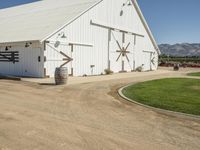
{"x": 136, "y": 9}
{"x": 100, "y": 28}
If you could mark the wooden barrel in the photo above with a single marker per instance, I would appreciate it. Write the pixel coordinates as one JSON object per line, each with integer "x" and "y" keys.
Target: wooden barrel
{"x": 61, "y": 76}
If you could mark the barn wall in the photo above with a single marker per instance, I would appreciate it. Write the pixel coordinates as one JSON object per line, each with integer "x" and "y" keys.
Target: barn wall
{"x": 81, "y": 31}
{"x": 28, "y": 64}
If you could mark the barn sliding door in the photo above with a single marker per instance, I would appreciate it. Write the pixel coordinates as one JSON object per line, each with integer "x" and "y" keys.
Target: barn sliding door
{"x": 31, "y": 61}
{"x": 147, "y": 61}
{"x": 121, "y": 52}
{"x": 57, "y": 56}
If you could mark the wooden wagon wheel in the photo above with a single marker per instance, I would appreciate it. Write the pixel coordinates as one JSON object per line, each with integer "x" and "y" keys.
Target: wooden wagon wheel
{"x": 123, "y": 51}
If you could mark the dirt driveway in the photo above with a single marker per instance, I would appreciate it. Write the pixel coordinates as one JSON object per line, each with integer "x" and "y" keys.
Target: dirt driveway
{"x": 88, "y": 116}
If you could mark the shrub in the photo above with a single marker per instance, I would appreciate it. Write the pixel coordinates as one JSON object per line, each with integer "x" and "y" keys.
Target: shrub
{"x": 140, "y": 68}
{"x": 108, "y": 71}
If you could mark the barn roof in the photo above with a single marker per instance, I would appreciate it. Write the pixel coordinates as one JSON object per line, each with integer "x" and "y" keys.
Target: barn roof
{"x": 38, "y": 20}
{"x": 35, "y": 21}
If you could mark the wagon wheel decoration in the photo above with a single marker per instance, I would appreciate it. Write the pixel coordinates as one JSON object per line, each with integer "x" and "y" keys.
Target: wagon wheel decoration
{"x": 153, "y": 60}
{"x": 123, "y": 51}
{"x": 66, "y": 58}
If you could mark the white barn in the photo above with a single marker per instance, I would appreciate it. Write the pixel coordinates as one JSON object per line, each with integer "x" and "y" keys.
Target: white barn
{"x": 87, "y": 36}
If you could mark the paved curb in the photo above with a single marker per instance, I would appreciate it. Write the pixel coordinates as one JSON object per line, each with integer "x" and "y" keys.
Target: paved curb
{"x": 168, "y": 112}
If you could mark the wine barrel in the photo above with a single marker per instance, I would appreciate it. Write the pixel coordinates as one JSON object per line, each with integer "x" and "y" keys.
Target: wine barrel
{"x": 61, "y": 76}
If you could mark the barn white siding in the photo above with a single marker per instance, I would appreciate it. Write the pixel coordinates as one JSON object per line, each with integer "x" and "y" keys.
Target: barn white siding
{"x": 95, "y": 38}
{"x": 82, "y": 31}
{"x": 28, "y": 65}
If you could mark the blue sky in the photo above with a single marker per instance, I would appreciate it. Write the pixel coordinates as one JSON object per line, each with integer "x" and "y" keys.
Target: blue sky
{"x": 9, "y": 3}
{"x": 171, "y": 21}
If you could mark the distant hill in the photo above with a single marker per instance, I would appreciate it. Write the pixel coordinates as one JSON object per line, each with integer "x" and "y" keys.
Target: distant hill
{"x": 184, "y": 49}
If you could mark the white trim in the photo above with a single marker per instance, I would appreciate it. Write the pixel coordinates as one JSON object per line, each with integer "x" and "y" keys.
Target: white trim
{"x": 148, "y": 51}
{"x": 69, "y": 43}
{"x": 11, "y": 42}
{"x": 70, "y": 21}
{"x": 135, "y": 4}
{"x": 113, "y": 27}
{"x": 81, "y": 44}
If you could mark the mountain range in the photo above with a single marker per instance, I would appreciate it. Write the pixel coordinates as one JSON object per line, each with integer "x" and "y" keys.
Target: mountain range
{"x": 184, "y": 49}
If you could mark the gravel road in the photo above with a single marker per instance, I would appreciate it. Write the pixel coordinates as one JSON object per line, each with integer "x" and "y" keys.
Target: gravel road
{"x": 88, "y": 116}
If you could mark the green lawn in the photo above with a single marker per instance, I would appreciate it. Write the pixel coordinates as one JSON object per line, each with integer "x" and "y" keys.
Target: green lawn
{"x": 194, "y": 74}
{"x": 176, "y": 94}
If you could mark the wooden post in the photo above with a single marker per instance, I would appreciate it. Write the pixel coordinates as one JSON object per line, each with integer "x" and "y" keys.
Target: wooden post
{"x": 134, "y": 39}
{"x": 151, "y": 62}
{"x": 72, "y": 69}
{"x": 45, "y": 73}
{"x": 72, "y": 72}
{"x": 123, "y": 66}
{"x": 109, "y": 39}
{"x": 123, "y": 41}
{"x": 123, "y": 38}
{"x": 134, "y": 65}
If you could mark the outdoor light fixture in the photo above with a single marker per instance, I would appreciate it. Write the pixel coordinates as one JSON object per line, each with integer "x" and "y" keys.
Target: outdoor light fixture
{"x": 26, "y": 45}
{"x": 62, "y": 35}
{"x": 57, "y": 43}
{"x": 7, "y": 48}
{"x": 127, "y": 3}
